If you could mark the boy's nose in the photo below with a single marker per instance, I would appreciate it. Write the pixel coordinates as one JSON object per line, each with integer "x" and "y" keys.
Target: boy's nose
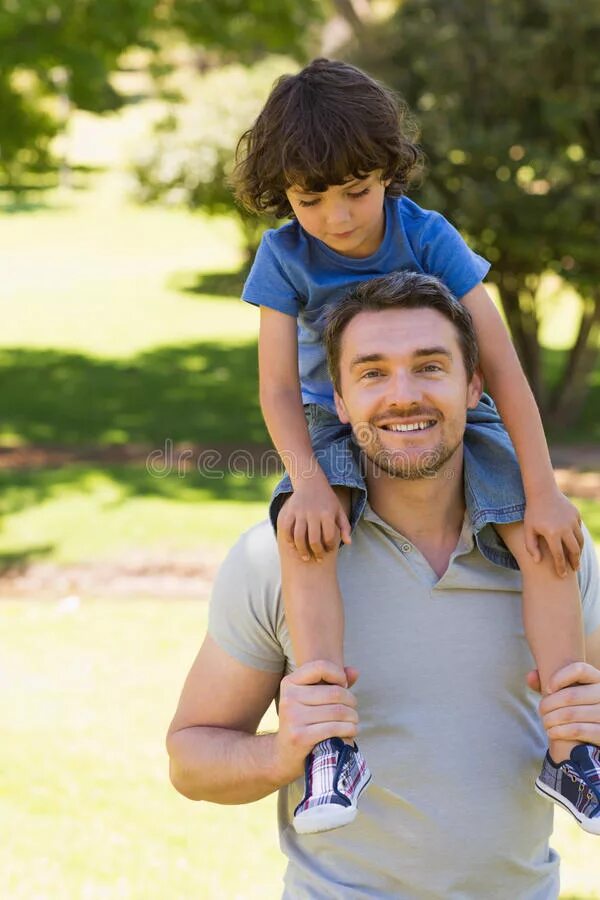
{"x": 337, "y": 215}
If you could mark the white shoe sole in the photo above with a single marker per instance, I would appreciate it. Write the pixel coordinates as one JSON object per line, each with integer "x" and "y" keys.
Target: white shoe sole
{"x": 592, "y": 826}
{"x": 323, "y": 818}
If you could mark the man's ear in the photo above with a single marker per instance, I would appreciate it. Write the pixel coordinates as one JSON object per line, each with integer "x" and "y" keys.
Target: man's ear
{"x": 475, "y": 389}
{"x": 340, "y": 408}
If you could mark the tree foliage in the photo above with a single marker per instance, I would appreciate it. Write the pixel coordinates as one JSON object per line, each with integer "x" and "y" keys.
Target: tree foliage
{"x": 80, "y": 41}
{"x": 188, "y": 158}
{"x": 508, "y": 97}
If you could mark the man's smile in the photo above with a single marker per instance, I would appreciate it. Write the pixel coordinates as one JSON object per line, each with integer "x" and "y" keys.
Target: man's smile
{"x": 420, "y": 425}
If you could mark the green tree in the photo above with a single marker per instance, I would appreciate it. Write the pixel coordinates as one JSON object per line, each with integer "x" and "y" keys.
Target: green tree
{"x": 508, "y": 96}
{"x": 48, "y": 49}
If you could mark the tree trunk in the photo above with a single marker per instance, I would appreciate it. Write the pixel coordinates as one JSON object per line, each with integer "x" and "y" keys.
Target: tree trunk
{"x": 569, "y": 395}
{"x": 348, "y": 11}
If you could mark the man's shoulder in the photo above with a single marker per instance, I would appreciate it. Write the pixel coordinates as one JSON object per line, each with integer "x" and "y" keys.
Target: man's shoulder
{"x": 254, "y": 557}
{"x": 245, "y": 612}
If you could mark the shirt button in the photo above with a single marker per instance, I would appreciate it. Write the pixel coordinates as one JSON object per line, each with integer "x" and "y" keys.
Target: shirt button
{"x": 406, "y": 548}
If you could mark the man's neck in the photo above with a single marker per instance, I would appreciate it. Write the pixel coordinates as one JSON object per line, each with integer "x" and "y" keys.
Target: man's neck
{"x": 429, "y": 512}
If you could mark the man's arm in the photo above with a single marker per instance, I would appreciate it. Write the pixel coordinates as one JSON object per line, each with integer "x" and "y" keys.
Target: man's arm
{"x": 214, "y": 751}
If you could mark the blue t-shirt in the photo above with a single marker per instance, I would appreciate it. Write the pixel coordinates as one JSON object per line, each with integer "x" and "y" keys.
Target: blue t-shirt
{"x": 301, "y": 276}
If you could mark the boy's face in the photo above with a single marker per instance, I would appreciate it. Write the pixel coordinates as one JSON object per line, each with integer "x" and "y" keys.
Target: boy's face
{"x": 347, "y": 217}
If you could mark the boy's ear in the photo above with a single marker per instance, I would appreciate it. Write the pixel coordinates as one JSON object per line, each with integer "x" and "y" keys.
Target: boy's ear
{"x": 340, "y": 408}
{"x": 475, "y": 389}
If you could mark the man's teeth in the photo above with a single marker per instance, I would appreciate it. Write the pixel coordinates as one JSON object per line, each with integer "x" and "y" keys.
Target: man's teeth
{"x": 415, "y": 426}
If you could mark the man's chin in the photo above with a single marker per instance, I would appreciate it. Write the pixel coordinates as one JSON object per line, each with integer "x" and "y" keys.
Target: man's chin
{"x": 410, "y": 463}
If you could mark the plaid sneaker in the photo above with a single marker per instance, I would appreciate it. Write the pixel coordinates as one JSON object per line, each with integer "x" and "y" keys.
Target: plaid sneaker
{"x": 335, "y": 776}
{"x": 575, "y": 785}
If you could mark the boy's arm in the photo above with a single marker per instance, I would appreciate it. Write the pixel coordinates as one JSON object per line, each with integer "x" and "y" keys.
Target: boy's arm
{"x": 280, "y": 396}
{"x": 312, "y": 516}
{"x": 549, "y": 513}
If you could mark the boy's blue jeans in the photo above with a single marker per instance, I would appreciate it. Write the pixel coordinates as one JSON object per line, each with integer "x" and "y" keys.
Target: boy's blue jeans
{"x": 492, "y": 479}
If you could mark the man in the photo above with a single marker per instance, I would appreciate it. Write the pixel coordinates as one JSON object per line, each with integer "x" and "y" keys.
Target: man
{"x": 434, "y": 628}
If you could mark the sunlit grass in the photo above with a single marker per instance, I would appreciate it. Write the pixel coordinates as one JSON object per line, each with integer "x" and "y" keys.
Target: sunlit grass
{"x": 97, "y": 276}
{"x": 86, "y": 513}
{"x": 86, "y": 809}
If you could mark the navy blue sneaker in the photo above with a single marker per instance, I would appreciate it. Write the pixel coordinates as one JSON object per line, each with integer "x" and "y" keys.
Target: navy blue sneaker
{"x": 575, "y": 785}
{"x": 336, "y": 774}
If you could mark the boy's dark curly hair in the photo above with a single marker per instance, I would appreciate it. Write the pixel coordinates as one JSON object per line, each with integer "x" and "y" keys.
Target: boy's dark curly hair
{"x": 320, "y": 127}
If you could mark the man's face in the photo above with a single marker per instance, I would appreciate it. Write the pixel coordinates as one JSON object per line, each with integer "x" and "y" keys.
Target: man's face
{"x": 404, "y": 389}
{"x": 347, "y": 217}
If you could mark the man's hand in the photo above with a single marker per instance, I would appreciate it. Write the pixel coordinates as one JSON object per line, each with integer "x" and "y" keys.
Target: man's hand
{"x": 313, "y": 519}
{"x": 310, "y": 712}
{"x": 551, "y": 516}
{"x": 571, "y": 712}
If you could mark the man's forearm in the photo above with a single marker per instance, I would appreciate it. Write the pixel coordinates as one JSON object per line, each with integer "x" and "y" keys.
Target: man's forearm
{"x": 223, "y": 766}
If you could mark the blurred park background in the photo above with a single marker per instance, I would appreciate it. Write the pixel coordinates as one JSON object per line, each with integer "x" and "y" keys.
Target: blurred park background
{"x": 126, "y": 359}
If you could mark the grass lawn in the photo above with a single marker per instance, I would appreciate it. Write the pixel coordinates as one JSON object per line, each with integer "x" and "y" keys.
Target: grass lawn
{"x": 86, "y": 811}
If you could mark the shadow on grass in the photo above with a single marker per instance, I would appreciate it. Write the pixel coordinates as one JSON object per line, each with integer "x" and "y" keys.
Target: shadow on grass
{"x": 204, "y": 393}
{"x": 218, "y": 284}
{"x": 18, "y": 561}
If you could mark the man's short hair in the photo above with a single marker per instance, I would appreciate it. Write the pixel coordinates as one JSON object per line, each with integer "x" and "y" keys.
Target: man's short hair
{"x": 399, "y": 290}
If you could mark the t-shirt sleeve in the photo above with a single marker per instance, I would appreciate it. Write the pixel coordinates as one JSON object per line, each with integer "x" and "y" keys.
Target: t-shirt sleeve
{"x": 268, "y": 284}
{"x": 445, "y": 254}
{"x": 245, "y": 610}
{"x": 589, "y": 584}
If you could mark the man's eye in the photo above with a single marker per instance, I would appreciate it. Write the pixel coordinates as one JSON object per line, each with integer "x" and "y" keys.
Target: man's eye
{"x": 371, "y": 373}
{"x": 431, "y": 367}
{"x": 306, "y": 203}
{"x": 360, "y": 193}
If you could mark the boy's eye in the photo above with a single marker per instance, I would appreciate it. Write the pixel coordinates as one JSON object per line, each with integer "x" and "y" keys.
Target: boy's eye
{"x": 359, "y": 193}
{"x": 306, "y": 203}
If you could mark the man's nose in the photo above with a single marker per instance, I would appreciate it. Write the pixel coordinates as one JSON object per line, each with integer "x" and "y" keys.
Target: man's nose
{"x": 402, "y": 389}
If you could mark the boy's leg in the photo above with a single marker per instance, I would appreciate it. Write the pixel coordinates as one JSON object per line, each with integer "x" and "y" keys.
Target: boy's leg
{"x": 552, "y": 616}
{"x": 336, "y": 772}
{"x": 313, "y": 604}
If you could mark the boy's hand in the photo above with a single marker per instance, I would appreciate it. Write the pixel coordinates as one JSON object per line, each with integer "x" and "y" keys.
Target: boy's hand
{"x": 313, "y": 519}
{"x": 551, "y": 516}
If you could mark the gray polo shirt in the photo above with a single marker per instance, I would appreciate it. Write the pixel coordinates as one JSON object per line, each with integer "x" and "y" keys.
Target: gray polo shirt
{"x": 449, "y": 727}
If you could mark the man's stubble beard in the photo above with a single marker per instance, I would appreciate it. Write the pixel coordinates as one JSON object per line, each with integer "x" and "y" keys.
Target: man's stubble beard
{"x": 401, "y": 463}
